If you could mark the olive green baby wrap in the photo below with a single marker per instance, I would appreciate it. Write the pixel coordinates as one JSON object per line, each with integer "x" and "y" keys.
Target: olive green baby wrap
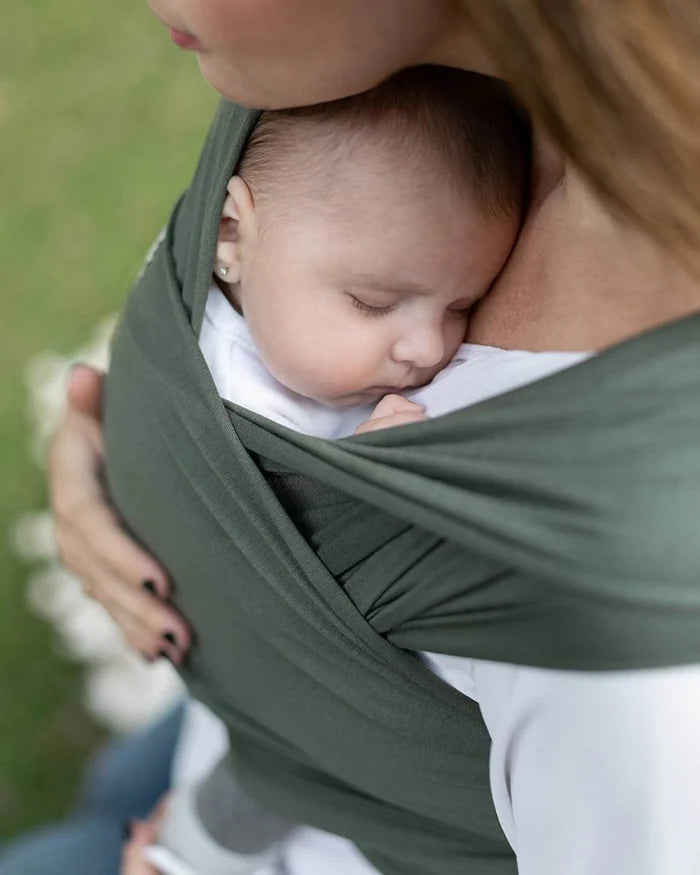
{"x": 556, "y": 526}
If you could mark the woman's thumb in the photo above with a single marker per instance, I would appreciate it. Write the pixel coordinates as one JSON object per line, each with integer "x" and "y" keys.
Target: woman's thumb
{"x": 85, "y": 389}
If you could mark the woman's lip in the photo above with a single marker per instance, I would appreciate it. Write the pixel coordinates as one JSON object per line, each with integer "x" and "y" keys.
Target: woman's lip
{"x": 184, "y": 40}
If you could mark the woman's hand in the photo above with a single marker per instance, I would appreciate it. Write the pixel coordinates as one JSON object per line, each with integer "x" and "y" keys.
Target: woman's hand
{"x": 128, "y": 582}
{"x": 391, "y": 411}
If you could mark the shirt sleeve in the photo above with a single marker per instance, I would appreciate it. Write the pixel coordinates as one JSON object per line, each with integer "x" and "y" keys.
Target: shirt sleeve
{"x": 595, "y": 773}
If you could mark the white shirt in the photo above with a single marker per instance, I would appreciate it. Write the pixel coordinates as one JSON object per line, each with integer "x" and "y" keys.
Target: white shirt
{"x": 592, "y": 773}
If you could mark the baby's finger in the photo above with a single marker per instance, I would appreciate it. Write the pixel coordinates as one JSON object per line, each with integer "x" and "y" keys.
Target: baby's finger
{"x": 133, "y": 862}
{"x": 157, "y": 816}
{"x": 390, "y": 422}
{"x": 392, "y": 404}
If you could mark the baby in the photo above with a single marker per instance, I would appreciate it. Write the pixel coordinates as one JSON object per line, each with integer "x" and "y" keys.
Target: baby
{"x": 354, "y": 239}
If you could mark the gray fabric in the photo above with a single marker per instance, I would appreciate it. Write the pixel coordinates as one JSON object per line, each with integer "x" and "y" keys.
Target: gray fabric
{"x": 239, "y": 836}
{"x": 233, "y": 818}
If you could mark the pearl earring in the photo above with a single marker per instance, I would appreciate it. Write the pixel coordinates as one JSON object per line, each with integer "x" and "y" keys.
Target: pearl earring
{"x": 222, "y": 270}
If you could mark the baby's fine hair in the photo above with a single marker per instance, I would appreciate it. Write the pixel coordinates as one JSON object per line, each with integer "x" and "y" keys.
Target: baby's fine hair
{"x": 464, "y": 123}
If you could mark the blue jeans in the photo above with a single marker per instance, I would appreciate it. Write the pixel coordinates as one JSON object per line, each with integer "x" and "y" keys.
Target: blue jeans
{"x": 125, "y": 780}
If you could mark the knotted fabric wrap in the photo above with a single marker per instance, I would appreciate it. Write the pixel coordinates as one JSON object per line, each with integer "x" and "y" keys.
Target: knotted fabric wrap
{"x": 556, "y": 526}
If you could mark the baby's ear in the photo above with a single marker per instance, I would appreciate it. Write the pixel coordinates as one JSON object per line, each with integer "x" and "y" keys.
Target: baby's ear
{"x": 236, "y": 230}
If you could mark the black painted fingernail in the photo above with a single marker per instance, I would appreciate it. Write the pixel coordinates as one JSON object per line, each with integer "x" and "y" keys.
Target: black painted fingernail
{"x": 126, "y": 830}
{"x": 170, "y": 638}
{"x": 150, "y": 586}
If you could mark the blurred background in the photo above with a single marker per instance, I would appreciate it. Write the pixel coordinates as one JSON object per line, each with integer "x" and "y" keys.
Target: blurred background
{"x": 101, "y": 120}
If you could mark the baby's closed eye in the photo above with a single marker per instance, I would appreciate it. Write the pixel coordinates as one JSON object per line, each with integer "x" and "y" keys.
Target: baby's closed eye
{"x": 372, "y": 309}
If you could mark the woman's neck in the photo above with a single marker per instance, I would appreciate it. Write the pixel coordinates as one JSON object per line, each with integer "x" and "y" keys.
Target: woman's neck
{"x": 580, "y": 279}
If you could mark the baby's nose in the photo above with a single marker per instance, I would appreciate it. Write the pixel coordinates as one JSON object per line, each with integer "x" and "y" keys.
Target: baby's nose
{"x": 422, "y": 347}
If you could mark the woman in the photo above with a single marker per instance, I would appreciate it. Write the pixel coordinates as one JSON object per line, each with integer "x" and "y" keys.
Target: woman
{"x": 600, "y": 93}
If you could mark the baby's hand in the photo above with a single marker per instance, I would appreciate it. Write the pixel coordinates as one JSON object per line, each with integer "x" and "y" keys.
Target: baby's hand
{"x": 392, "y": 410}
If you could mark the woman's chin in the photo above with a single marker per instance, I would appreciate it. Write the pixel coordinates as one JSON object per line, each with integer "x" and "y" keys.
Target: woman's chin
{"x": 233, "y": 85}
{"x": 265, "y": 92}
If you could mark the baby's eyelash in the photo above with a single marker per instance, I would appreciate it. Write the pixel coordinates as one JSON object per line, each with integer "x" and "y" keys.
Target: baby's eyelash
{"x": 369, "y": 310}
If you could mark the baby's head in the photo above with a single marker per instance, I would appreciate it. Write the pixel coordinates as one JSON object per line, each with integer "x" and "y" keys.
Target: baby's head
{"x": 357, "y": 234}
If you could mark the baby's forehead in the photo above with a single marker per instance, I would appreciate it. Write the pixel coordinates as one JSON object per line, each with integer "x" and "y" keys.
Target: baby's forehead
{"x": 368, "y": 177}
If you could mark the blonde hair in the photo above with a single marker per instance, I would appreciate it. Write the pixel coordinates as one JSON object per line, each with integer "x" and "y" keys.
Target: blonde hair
{"x": 617, "y": 84}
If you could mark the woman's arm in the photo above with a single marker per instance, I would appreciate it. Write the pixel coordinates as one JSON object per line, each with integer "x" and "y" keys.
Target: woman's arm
{"x": 595, "y": 773}
{"x": 127, "y": 581}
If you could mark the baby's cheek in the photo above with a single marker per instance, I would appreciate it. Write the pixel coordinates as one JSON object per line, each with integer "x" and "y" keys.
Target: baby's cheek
{"x": 457, "y": 336}
{"x": 314, "y": 369}
{"x": 335, "y": 374}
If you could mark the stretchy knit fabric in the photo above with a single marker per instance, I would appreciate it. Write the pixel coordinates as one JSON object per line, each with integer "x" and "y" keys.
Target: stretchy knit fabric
{"x": 554, "y": 526}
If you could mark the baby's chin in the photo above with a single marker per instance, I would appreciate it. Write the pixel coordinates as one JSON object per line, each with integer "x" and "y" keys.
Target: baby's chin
{"x": 367, "y": 397}
{"x": 353, "y": 399}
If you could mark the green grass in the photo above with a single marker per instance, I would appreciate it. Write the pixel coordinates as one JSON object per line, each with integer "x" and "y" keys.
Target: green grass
{"x": 101, "y": 120}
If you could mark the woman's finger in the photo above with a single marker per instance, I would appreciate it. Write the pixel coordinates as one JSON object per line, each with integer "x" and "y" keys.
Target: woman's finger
{"x": 96, "y": 530}
{"x": 141, "y": 639}
{"x": 159, "y": 624}
{"x": 155, "y": 617}
{"x": 85, "y": 385}
{"x": 167, "y": 637}
{"x": 148, "y": 623}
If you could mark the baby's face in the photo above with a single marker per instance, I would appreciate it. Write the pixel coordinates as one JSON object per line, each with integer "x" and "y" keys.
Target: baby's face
{"x": 349, "y": 302}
